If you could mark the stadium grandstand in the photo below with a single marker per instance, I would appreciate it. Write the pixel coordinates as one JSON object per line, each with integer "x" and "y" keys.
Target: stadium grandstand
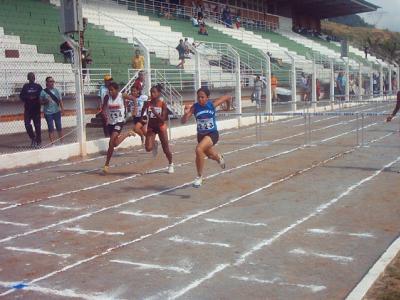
{"x": 242, "y": 39}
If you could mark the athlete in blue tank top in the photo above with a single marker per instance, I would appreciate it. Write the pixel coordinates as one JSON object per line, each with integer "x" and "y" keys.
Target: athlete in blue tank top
{"x": 207, "y": 132}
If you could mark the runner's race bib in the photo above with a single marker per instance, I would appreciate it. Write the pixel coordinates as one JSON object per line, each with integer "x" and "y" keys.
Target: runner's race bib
{"x": 158, "y": 111}
{"x": 205, "y": 124}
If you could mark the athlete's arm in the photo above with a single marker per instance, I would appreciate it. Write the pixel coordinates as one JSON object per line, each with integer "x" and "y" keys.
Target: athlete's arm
{"x": 221, "y": 100}
{"x": 103, "y": 109}
{"x": 396, "y": 109}
{"x": 188, "y": 113}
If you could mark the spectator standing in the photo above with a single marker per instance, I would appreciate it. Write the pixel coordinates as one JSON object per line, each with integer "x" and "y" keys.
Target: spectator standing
{"x": 238, "y": 21}
{"x": 341, "y": 85}
{"x": 274, "y": 85}
{"x": 138, "y": 61}
{"x": 139, "y": 82}
{"x": 53, "y": 108}
{"x": 187, "y": 47}
{"x": 258, "y": 85}
{"x": 30, "y": 95}
{"x": 181, "y": 52}
{"x": 304, "y": 87}
{"x": 66, "y": 49}
{"x": 318, "y": 87}
{"x": 203, "y": 30}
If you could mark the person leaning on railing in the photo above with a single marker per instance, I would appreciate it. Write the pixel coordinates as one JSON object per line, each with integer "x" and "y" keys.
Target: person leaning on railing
{"x": 396, "y": 109}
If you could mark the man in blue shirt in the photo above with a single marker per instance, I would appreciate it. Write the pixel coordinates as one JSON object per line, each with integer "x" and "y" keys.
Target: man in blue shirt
{"x": 53, "y": 108}
{"x": 30, "y": 96}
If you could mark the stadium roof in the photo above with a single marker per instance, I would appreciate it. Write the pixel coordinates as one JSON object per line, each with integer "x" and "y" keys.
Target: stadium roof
{"x": 333, "y": 8}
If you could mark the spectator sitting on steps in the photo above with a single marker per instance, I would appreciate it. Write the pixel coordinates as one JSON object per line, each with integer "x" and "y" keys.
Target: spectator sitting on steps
{"x": 138, "y": 61}
{"x": 203, "y": 30}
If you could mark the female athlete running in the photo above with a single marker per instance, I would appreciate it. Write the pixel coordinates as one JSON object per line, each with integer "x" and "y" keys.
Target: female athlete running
{"x": 114, "y": 106}
{"x": 207, "y": 132}
{"x": 138, "y": 102}
{"x": 155, "y": 114}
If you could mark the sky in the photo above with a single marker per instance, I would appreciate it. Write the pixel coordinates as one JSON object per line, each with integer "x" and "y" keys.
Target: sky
{"x": 387, "y": 17}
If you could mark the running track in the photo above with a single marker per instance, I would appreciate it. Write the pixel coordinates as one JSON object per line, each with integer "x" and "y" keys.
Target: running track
{"x": 283, "y": 221}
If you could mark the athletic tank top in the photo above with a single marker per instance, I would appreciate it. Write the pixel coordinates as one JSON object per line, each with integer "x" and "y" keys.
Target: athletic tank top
{"x": 154, "y": 122}
{"x": 140, "y": 101}
{"x": 116, "y": 110}
{"x": 205, "y": 118}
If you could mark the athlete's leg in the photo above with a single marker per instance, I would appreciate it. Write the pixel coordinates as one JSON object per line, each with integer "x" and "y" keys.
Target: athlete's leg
{"x": 140, "y": 130}
{"x": 204, "y": 146}
{"x": 150, "y": 139}
{"x": 163, "y": 135}
{"x": 121, "y": 137}
{"x": 111, "y": 143}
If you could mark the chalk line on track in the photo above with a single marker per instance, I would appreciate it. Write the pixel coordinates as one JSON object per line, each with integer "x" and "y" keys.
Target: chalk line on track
{"x": 12, "y": 206}
{"x": 143, "y": 266}
{"x": 242, "y": 258}
{"x": 289, "y": 119}
{"x": 182, "y": 240}
{"x": 201, "y": 213}
{"x": 147, "y": 196}
{"x": 337, "y": 258}
{"x": 331, "y": 231}
{"x": 37, "y": 251}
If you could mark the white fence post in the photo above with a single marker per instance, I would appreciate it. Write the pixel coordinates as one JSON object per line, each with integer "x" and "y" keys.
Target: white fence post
{"x": 80, "y": 105}
{"x": 238, "y": 86}
{"x": 197, "y": 72}
{"x": 314, "y": 85}
{"x": 294, "y": 82}
{"x": 371, "y": 81}
{"x": 268, "y": 89}
{"x": 147, "y": 66}
{"x": 381, "y": 81}
{"x": 347, "y": 96}
{"x": 390, "y": 91}
{"x": 360, "y": 83}
{"x": 332, "y": 83}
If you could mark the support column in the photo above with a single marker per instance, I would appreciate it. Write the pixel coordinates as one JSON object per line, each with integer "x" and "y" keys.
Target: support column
{"x": 332, "y": 83}
{"x": 314, "y": 86}
{"x": 147, "y": 65}
{"x": 294, "y": 84}
{"x": 360, "y": 83}
{"x": 80, "y": 102}
{"x": 347, "y": 96}
{"x": 268, "y": 89}
{"x": 390, "y": 91}
{"x": 381, "y": 81}
{"x": 371, "y": 82}
{"x": 197, "y": 72}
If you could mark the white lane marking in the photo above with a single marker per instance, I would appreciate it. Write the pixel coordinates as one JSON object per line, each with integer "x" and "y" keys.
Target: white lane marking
{"x": 139, "y": 213}
{"x": 277, "y": 281}
{"x": 74, "y": 174}
{"x": 188, "y": 218}
{"x": 178, "y": 239}
{"x": 361, "y": 289}
{"x": 143, "y": 266}
{"x": 59, "y": 207}
{"x": 317, "y": 121}
{"x": 13, "y": 223}
{"x": 336, "y": 258}
{"x": 120, "y": 153}
{"x": 88, "y": 188}
{"x": 37, "y": 251}
{"x": 316, "y": 212}
{"x": 3, "y": 203}
{"x": 242, "y": 258}
{"x": 62, "y": 293}
{"x": 88, "y": 231}
{"x": 198, "y": 282}
{"x": 333, "y": 232}
{"x": 234, "y": 222}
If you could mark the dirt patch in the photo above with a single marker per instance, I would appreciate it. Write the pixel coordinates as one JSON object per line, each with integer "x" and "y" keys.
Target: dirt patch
{"x": 387, "y": 287}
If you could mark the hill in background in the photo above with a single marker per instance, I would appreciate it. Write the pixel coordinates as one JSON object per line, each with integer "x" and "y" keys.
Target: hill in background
{"x": 381, "y": 43}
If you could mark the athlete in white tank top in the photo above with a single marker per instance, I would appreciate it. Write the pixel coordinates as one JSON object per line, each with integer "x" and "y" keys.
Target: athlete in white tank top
{"x": 116, "y": 110}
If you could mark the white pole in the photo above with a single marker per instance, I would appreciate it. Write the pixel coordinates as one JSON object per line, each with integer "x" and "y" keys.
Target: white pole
{"x": 347, "y": 81}
{"x": 314, "y": 85}
{"x": 268, "y": 89}
{"x": 390, "y": 80}
{"x": 294, "y": 82}
{"x": 332, "y": 83}
{"x": 197, "y": 83}
{"x": 238, "y": 87}
{"x": 360, "y": 83}
{"x": 371, "y": 81}
{"x": 80, "y": 105}
{"x": 381, "y": 81}
{"x": 147, "y": 65}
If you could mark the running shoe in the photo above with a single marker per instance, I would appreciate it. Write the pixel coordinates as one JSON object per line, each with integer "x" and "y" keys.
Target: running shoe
{"x": 198, "y": 182}
{"x": 105, "y": 169}
{"x": 155, "y": 149}
{"x": 222, "y": 161}
{"x": 171, "y": 169}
